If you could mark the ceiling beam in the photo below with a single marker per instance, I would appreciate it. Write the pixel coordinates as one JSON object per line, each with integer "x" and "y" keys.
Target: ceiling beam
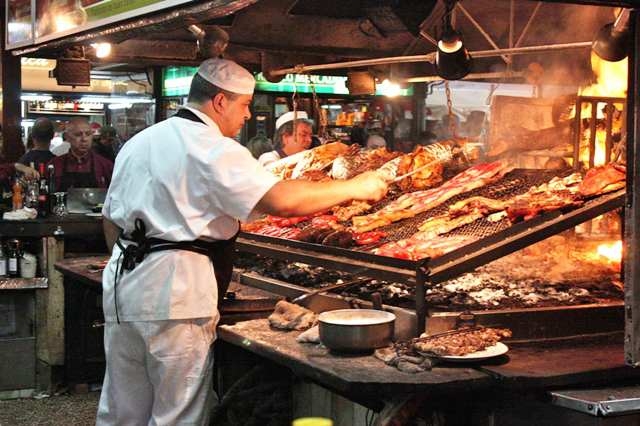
{"x": 267, "y": 21}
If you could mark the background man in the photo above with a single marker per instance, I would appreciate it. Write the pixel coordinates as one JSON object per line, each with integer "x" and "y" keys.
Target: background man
{"x": 80, "y": 167}
{"x": 192, "y": 184}
{"x": 285, "y": 141}
{"x": 106, "y": 143}
{"x": 42, "y": 132}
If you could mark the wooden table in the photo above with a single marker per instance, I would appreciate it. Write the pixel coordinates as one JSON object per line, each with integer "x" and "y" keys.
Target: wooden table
{"x": 50, "y": 234}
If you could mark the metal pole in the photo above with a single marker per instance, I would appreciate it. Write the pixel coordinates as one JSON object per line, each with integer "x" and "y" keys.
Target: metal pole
{"x": 429, "y": 57}
{"x": 526, "y": 27}
{"x": 632, "y": 211}
{"x": 482, "y": 31}
{"x": 480, "y": 75}
{"x": 422, "y": 274}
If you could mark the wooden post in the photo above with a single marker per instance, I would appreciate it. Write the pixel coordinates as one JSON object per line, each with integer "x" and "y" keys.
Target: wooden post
{"x": 157, "y": 94}
{"x": 12, "y": 147}
{"x": 50, "y": 306}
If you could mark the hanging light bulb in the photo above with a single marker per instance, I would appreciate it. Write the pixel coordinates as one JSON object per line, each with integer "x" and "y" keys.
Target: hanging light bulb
{"x": 102, "y": 49}
{"x": 453, "y": 62}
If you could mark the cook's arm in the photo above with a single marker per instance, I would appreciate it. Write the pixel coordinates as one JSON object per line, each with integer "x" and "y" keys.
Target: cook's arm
{"x": 300, "y": 197}
{"x": 111, "y": 232}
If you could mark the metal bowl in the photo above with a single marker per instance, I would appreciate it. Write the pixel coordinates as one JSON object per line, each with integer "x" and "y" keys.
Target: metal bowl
{"x": 356, "y": 330}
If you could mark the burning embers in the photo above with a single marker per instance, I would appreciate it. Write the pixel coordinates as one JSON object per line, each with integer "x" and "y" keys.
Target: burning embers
{"x": 560, "y": 271}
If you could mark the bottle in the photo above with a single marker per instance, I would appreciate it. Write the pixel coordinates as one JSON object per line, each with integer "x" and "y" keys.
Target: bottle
{"x": 17, "y": 197}
{"x": 13, "y": 264}
{"x": 43, "y": 193}
{"x": 3, "y": 263}
{"x": 51, "y": 172}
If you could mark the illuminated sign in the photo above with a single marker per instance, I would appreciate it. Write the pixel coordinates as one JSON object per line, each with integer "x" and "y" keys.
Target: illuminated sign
{"x": 177, "y": 80}
{"x": 36, "y": 21}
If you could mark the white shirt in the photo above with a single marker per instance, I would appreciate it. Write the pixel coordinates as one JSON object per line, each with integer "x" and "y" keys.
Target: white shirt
{"x": 185, "y": 181}
{"x": 268, "y": 158}
{"x": 60, "y": 149}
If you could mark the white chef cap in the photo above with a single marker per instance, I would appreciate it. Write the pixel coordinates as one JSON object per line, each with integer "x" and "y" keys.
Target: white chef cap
{"x": 227, "y": 75}
{"x": 289, "y": 116}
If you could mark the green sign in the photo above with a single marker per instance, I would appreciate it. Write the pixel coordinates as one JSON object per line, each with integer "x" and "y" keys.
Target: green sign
{"x": 177, "y": 80}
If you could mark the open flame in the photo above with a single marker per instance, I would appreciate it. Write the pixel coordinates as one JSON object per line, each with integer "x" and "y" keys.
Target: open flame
{"x": 611, "y": 78}
{"x": 611, "y": 252}
{"x": 612, "y": 83}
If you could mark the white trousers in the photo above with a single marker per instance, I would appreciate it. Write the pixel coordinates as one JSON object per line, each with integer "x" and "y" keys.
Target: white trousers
{"x": 158, "y": 373}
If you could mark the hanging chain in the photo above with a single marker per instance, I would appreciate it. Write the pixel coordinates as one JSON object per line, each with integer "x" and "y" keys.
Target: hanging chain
{"x": 294, "y": 103}
{"x": 452, "y": 124}
{"x": 322, "y": 116}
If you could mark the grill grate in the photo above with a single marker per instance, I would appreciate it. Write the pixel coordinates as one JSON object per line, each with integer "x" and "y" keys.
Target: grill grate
{"x": 513, "y": 183}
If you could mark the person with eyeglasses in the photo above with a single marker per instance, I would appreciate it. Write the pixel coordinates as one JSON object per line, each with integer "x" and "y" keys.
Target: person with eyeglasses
{"x": 81, "y": 167}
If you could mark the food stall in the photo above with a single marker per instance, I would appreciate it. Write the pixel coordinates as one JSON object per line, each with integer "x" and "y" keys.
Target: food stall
{"x": 601, "y": 351}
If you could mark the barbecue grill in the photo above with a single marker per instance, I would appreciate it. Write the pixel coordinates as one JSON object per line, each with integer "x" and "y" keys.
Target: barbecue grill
{"x": 487, "y": 240}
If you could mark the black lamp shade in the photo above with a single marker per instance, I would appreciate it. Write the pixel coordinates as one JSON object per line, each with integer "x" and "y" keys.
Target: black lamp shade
{"x": 453, "y": 62}
{"x": 611, "y": 45}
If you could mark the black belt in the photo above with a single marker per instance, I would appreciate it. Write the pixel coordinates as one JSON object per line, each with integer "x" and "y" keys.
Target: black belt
{"x": 221, "y": 253}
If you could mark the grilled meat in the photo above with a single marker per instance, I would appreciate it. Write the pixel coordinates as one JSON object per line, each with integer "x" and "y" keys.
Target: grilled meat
{"x": 461, "y": 342}
{"x": 603, "y": 179}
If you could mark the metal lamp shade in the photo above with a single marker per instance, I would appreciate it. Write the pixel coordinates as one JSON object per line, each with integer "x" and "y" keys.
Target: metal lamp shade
{"x": 453, "y": 65}
{"x": 611, "y": 45}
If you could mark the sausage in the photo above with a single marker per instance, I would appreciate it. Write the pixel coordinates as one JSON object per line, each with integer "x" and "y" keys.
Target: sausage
{"x": 308, "y": 234}
{"x": 322, "y": 233}
{"x": 342, "y": 239}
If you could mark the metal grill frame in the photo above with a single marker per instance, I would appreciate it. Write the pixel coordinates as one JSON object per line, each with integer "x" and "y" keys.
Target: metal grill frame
{"x": 425, "y": 271}
{"x": 594, "y": 101}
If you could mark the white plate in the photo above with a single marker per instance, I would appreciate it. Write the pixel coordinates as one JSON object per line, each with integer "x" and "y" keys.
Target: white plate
{"x": 490, "y": 352}
{"x": 93, "y": 214}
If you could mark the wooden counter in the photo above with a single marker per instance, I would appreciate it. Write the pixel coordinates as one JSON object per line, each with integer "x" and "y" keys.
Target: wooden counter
{"x": 363, "y": 376}
{"x": 526, "y": 367}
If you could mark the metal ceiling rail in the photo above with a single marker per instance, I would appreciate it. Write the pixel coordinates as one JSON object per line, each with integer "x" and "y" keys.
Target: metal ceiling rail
{"x": 429, "y": 57}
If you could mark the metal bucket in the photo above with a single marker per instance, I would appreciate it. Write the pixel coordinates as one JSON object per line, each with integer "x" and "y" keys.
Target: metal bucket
{"x": 356, "y": 330}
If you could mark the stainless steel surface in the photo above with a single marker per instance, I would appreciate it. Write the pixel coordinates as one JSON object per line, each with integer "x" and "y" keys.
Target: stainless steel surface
{"x": 600, "y": 402}
{"x": 356, "y": 330}
{"x": 85, "y": 200}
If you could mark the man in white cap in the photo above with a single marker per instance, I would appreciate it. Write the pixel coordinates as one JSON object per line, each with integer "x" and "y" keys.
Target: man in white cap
{"x": 293, "y": 134}
{"x": 170, "y": 216}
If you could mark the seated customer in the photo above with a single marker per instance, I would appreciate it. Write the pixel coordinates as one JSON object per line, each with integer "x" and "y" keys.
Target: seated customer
{"x": 41, "y": 134}
{"x": 287, "y": 143}
{"x": 81, "y": 167}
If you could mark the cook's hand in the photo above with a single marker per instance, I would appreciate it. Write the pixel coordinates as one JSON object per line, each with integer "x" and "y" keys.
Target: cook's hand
{"x": 369, "y": 186}
{"x": 27, "y": 171}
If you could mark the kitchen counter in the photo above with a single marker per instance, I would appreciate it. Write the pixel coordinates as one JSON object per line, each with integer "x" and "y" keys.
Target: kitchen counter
{"x": 71, "y": 225}
{"x": 527, "y": 367}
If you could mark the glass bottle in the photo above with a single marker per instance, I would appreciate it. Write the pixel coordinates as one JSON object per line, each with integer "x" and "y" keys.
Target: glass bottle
{"x": 3, "y": 263}
{"x": 13, "y": 263}
{"x": 43, "y": 193}
{"x": 17, "y": 197}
